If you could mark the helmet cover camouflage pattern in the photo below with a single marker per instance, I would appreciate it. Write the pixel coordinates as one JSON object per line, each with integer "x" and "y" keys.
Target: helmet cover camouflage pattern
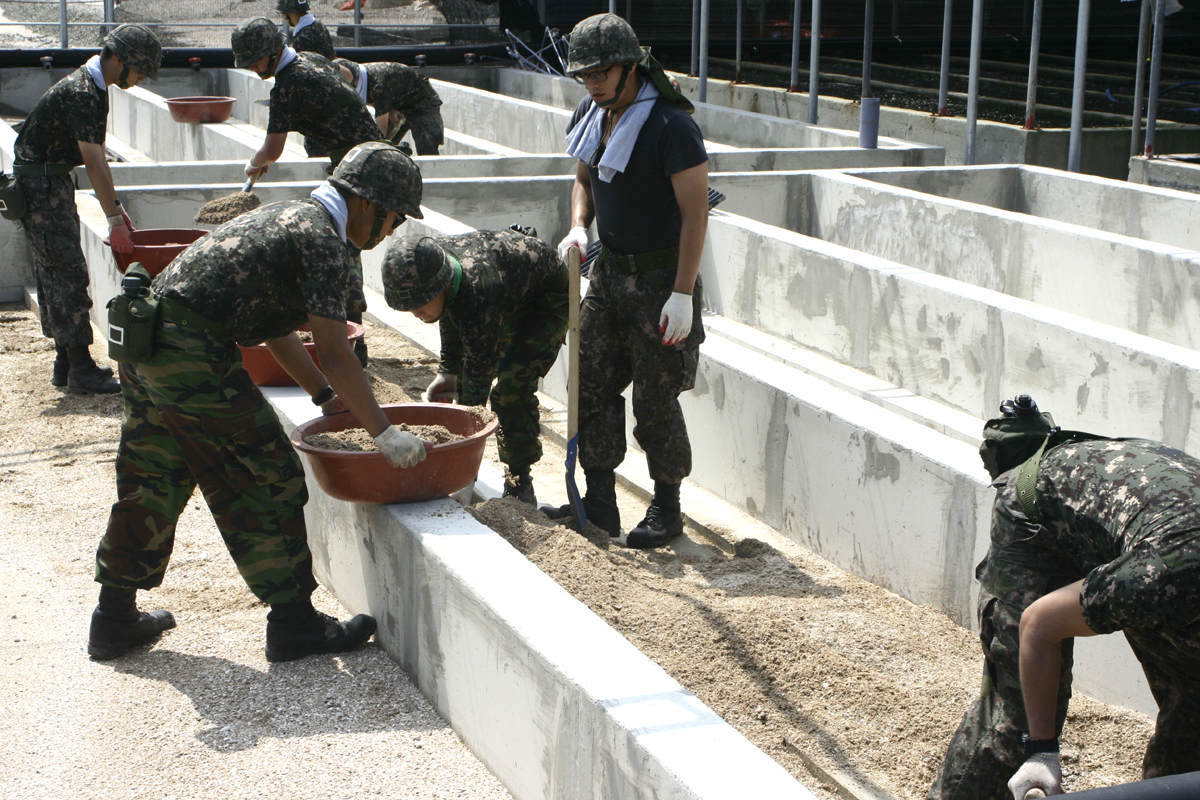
{"x": 415, "y": 271}
{"x": 292, "y": 6}
{"x": 383, "y": 175}
{"x": 601, "y": 41}
{"x": 137, "y": 47}
{"x": 254, "y": 39}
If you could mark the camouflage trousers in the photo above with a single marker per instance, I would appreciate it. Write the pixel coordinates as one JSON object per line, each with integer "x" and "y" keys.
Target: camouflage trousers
{"x": 986, "y": 750}
{"x": 427, "y": 129}
{"x": 193, "y": 417}
{"x": 52, "y": 226}
{"x": 621, "y": 345}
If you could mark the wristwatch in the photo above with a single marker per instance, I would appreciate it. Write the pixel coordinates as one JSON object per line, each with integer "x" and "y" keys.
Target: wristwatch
{"x": 1035, "y": 746}
{"x": 324, "y": 396}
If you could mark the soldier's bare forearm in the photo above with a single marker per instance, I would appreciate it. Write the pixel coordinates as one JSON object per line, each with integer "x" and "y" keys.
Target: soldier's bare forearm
{"x": 291, "y": 354}
{"x": 95, "y": 161}
{"x": 1044, "y": 625}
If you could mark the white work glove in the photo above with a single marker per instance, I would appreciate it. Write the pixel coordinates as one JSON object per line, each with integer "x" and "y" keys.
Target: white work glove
{"x": 676, "y": 320}
{"x": 1041, "y": 771}
{"x": 441, "y": 389}
{"x": 400, "y": 448}
{"x": 252, "y": 170}
{"x": 576, "y": 238}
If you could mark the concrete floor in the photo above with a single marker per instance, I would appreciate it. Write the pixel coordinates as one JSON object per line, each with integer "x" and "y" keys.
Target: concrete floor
{"x": 863, "y": 320}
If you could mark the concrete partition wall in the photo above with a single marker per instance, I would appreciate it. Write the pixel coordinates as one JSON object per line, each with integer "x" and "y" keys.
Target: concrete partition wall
{"x": 1145, "y": 287}
{"x": 1181, "y": 175}
{"x": 1156, "y": 215}
{"x": 949, "y": 341}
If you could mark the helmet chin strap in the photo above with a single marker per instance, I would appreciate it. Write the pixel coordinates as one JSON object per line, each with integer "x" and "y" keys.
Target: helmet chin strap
{"x": 377, "y": 228}
{"x": 625, "y": 70}
{"x": 269, "y": 72}
{"x": 123, "y": 78}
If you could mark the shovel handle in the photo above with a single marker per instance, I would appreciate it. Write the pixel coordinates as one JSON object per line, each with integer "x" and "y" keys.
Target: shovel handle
{"x": 249, "y": 182}
{"x": 1035, "y": 794}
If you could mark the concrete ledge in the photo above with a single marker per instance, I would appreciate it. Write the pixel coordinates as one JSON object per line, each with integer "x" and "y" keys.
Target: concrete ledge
{"x": 1167, "y": 173}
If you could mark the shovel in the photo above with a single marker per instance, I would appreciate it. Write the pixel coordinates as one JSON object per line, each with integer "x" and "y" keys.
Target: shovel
{"x": 223, "y": 209}
{"x": 573, "y": 387}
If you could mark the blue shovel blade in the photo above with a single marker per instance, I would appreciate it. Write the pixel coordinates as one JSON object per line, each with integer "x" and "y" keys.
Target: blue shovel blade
{"x": 573, "y": 488}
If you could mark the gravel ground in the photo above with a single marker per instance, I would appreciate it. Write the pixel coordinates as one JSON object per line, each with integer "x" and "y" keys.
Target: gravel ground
{"x": 200, "y": 714}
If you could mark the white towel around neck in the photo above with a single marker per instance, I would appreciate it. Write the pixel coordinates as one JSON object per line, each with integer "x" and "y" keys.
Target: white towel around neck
{"x": 586, "y": 136}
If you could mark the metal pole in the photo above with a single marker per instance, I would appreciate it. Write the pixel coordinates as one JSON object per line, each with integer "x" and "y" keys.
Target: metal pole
{"x": 973, "y": 80}
{"x": 629, "y": 11}
{"x": 358, "y": 23}
{"x": 1035, "y": 49}
{"x": 944, "y": 83}
{"x": 62, "y": 22}
{"x": 1139, "y": 84}
{"x": 868, "y": 41}
{"x": 814, "y": 56}
{"x": 695, "y": 66}
{"x": 1160, "y": 21}
{"x": 737, "y": 59}
{"x": 896, "y": 19}
{"x": 542, "y": 11}
{"x": 702, "y": 94}
{"x": 794, "y": 84}
{"x": 1075, "y": 144}
{"x": 612, "y": 6}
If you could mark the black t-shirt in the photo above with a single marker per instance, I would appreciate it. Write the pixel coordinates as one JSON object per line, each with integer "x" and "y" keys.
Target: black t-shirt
{"x": 637, "y": 212}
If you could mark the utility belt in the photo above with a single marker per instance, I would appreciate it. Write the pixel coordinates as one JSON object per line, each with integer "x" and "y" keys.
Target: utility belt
{"x": 667, "y": 258}
{"x": 175, "y": 312}
{"x": 41, "y": 170}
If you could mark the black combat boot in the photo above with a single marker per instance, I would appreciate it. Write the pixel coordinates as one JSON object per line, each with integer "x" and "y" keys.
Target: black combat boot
{"x": 360, "y": 349}
{"x": 85, "y": 376}
{"x": 296, "y": 630}
{"x": 117, "y": 625}
{"x": 62, "y": 366}
{"x": 663, "y": 520}
{"x": 599, "y": 503}
{"x": 518, "y": 483}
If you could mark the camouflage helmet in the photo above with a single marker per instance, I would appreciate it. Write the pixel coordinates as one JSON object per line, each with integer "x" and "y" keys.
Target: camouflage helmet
{"x": 381, "y": 174}
{"x": 601, "y": 41}
{"x": 137, "y": 47}
{"x": 415, "y": 271}
{"x": 254, "y": 39}
{"x": 292, "y": 6}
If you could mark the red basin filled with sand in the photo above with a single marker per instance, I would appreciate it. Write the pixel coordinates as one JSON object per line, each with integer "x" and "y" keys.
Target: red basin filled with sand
{"x": 367, "y": 477}
{"x": 200, "y": 109}
{"x": 156, "y": 247}
{"x": 265, "y": 370}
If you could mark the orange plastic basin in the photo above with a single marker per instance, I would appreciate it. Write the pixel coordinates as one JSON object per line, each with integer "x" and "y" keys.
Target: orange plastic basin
{"x": 200, "y": 109}
{"x": 265, "y": 370}
{"x": 369, "y": 478}
{"x": 156, "y": 247}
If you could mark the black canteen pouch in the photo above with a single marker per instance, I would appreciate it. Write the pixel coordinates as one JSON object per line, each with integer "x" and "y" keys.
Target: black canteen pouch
{"x": 132, "y": 318}
{"x": 12, "y": 198}
{"x": 1010, "y": 441}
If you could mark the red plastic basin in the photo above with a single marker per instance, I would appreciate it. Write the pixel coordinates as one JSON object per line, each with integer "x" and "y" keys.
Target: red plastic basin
{"x": 156, "y": 247}
{"x": 265, "y": 370}
{"x": 369, "y": 478}
{"x": 200, "y": 109}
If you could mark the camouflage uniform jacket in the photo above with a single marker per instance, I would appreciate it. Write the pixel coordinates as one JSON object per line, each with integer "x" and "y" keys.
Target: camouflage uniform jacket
{"x": 314, "y": 38}
{"x": 264, "y": 272}
{"x": 504, "y": 274}
{"x": 311, "y": 97}
{"x": 74, "y": 110}
{"x": 395, "y": 87}
{"x": 1124, "y": 515}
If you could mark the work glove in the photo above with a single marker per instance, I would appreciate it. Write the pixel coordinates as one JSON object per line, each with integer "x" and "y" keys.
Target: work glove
{"x": 400, "y": 448}
{"x": 576, "y": 238}
{"x": 1041, "y": 771}
{"x": 441, "y": 389}
{"x": 252, "y": 170}
{"x": 676, "y": 320}
{"x": 120, "y": 237}
{"x": 333, "y": 405}
{"x": 124, "y": 216}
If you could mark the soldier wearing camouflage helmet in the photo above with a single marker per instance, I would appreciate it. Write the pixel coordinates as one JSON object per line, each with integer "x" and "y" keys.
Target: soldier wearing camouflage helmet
{"x": 1089, "y": 536}
{"x": 403, "y": 100}
{"x": 193, "y": 417}
{"x": 500, "y": 300}
{"x": 308, "y": 34}
{"x": 67, "y": 128}
{"x": 642, "y": 175}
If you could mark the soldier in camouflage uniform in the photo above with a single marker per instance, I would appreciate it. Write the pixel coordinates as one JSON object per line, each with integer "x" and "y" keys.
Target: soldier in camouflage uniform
{"x": 641, "y": 316}
{"x": 1116, "y": 548}
{"x": 67, "y": 128}
{"x": 308, "y": 35}
{"x": 311, "y": 97}
{"x": 403, "y": 100}
{"x": 500, "y": 298}
{"x": 194, "y": 418}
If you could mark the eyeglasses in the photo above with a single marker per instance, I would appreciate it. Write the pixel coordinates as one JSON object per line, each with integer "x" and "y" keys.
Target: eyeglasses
{"x": 595, "y": 76}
